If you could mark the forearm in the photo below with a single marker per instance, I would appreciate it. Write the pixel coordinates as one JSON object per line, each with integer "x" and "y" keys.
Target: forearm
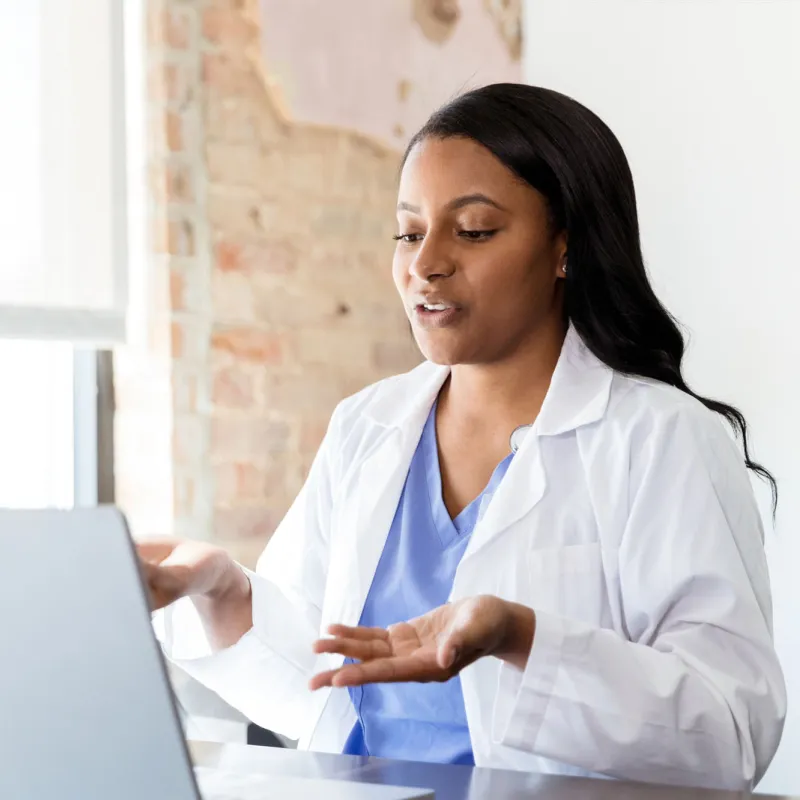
{"x": 208, "y": 639}
{"x": 700, "y": 710}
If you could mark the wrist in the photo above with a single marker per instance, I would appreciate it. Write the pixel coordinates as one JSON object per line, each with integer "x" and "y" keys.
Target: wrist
{"x": 231, "y": 583}
{"x": 226, "y": 608}
{"x": 519, "y": 632}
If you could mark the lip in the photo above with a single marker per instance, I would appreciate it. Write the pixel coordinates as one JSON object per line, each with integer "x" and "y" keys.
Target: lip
{"x": 436, "y": 319}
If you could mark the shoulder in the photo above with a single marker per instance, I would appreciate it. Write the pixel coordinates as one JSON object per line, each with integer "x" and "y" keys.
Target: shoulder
{"x": 683, "y": 469}
{"x": 662, "y": 426}
{"x": 386, "y": 399}
{"x": 644, "y": 404}
{"x": 363, "y": 418}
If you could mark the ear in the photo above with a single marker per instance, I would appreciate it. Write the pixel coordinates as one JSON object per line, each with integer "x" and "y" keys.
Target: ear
{"x": 560, "y": 253}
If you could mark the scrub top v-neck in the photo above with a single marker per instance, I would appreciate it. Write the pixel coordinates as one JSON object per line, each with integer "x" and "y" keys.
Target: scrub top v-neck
{"x": 418, "y": 721}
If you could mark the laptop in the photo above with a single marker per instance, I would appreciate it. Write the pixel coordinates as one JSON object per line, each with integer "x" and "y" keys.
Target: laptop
{"x": 86, "y": 706}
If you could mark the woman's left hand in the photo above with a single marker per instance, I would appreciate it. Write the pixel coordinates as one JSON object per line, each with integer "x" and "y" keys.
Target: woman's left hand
{"x": 433, "y": 647}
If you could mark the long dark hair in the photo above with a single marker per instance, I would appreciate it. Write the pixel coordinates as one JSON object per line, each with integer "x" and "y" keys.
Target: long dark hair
{"x": 569, "y": 155}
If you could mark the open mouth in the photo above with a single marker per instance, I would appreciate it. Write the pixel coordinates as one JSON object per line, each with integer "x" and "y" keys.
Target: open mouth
{"x": 436, "y": 315}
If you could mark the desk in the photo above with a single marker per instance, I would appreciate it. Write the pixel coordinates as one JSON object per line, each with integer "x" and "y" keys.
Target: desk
{"x": 449, "y": 782}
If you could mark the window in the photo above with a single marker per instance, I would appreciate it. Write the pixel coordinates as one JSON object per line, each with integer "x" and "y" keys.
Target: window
{"x": 63, "y": 198}
{"x": 36, "y": 425}
{"x": 65, "y": 211}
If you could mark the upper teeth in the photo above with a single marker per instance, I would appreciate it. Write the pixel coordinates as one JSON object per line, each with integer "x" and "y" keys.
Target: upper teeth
{"x": 435, "y": 306}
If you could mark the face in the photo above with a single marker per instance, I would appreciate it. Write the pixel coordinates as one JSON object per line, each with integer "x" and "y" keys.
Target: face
{"x": 477, "y": 264}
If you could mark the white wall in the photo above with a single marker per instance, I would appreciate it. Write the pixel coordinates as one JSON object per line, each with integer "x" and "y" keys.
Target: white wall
{"x": 705, "y": 97}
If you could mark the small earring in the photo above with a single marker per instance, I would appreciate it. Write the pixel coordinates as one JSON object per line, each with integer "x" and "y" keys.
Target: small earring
{"x": 564, "y": 269}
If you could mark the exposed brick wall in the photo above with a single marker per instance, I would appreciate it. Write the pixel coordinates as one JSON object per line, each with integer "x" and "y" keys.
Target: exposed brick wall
{"x": 382, "y": 66}
{"x": 271, "y": 295}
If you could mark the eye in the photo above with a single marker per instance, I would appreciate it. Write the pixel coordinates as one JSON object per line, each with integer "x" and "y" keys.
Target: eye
{"x": 477, "y": 236}
{"x": 408, "y": 238}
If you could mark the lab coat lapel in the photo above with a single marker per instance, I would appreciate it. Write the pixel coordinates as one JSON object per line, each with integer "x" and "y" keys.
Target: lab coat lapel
{"x": 577, "y": 396}
{"x": 521, "y": 489}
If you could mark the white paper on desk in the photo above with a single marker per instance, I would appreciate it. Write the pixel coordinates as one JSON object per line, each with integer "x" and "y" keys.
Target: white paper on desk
{"x": 216, "y": 784}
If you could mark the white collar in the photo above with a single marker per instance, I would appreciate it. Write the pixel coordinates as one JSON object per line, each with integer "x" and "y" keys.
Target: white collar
{"x": 578, "y": 393}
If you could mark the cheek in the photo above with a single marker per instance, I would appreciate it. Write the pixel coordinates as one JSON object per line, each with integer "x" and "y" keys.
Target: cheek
{"x": 400, "y": 272}
{"x": 510, "y": 286}
{"x": 504, "y": 277}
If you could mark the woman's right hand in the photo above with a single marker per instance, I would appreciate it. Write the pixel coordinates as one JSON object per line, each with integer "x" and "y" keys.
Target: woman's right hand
{"x": 176, "y": 568}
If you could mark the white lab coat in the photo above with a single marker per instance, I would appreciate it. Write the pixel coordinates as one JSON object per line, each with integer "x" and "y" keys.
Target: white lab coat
{"x": 626, "y": 521}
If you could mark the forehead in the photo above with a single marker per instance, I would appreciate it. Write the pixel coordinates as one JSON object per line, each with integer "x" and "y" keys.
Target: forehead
{"x": 439, "y": 170}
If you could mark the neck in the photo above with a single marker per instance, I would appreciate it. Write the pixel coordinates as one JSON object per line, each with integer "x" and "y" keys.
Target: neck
{"x": 510, "y": 391}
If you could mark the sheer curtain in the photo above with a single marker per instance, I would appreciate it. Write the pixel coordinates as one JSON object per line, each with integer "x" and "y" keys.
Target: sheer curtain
{"x": 63, "y": 197}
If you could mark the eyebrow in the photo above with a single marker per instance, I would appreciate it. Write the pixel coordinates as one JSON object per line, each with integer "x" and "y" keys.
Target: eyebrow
{"x": 458, "y": 203}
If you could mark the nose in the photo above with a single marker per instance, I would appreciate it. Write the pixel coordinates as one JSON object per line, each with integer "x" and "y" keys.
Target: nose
{"x": 432, "y": 261}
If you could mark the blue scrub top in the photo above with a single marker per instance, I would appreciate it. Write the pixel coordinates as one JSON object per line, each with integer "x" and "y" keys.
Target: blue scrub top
{"x": 418, "y": 721}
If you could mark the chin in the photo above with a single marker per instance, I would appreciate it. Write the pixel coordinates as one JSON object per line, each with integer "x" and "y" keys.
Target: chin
{"x": 443, "y": 356}
{"x": 442, "y": 361}
{"x": 444, "y": 348}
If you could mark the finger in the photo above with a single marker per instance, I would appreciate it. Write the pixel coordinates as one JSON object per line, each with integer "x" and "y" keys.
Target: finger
{"x": 162, "y": 588}
{"x": 157, "y": 576}
{"x": 154, "y": 551}
{"x": 157, "y": 600}
{"x": 362, "y": 633}
{"x": 390, "y": 670}
{"x": 322, "y": 679}
{"x": 148, "y": 569}
{"x": 353, "y": 648}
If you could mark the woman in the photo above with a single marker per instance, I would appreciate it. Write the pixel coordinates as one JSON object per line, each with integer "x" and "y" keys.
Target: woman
{"x": 544, "y": 546}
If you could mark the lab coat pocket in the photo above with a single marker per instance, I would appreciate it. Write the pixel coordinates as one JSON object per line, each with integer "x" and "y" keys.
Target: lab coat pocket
{"x": 568, "y": 581}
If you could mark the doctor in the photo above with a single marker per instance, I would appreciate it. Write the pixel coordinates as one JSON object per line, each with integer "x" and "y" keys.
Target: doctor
{"x": 540, "y": 549}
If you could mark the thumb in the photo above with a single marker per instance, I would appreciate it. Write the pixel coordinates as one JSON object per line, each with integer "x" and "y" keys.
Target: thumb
{"x": 449, "y": 652}
{"x": 468, "y": 637}
{"x": 455, "y": 650}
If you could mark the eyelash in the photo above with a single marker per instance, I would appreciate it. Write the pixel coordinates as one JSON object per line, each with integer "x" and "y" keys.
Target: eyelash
{"x": 472, "y": 236}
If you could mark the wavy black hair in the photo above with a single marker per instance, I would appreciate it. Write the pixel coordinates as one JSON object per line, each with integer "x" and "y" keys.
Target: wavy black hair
{"x": 571, "y": 157}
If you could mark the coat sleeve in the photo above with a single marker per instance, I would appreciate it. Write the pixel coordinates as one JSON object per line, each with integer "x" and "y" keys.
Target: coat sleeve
{"x": 265, "y": 674}
{"x": 692, "y": 693}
